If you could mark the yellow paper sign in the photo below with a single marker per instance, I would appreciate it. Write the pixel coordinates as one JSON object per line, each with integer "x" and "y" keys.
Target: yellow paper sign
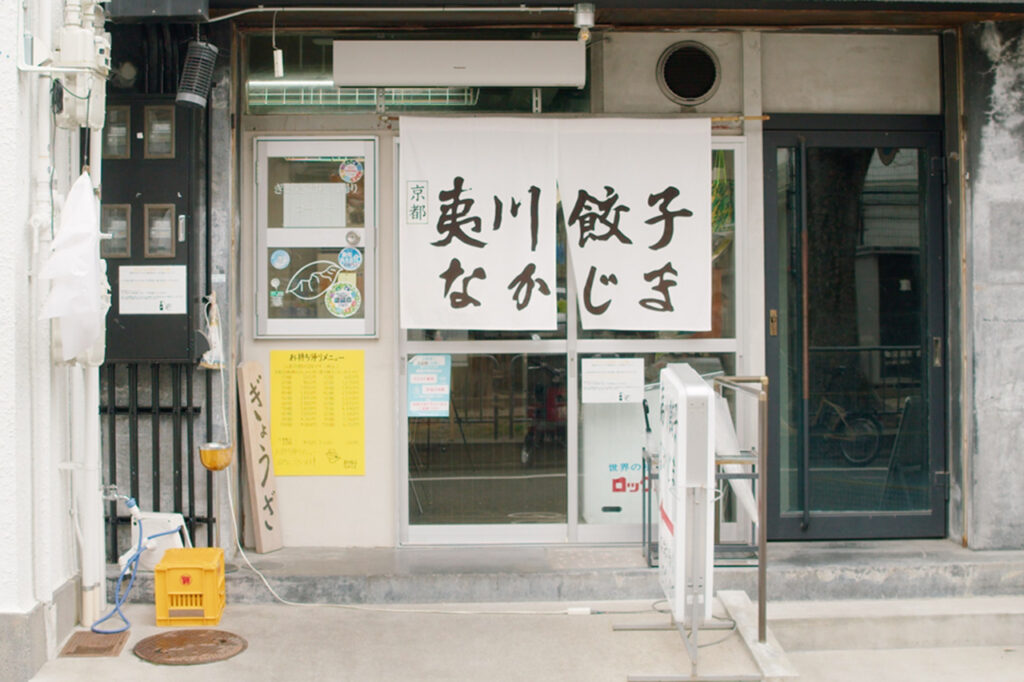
{"x": 317, "y": 411}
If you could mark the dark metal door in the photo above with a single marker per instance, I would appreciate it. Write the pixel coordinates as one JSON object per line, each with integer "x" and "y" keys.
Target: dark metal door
{"x": 854, "y": 274}
{"x": 148, "y": 173}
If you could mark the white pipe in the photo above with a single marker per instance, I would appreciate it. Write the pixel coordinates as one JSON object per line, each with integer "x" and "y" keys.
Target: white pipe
{"x": 385, "y": 10}
{"x": 23, "y": 64}
{"x": 72, "y": 12}
{"x": 90, "y": 493}
{"x": 91, "y": 503}
{"x": 78, "y": 459}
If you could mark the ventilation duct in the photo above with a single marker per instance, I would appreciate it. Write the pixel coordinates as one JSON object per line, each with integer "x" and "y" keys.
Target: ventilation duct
{"x": 688, "y": 73}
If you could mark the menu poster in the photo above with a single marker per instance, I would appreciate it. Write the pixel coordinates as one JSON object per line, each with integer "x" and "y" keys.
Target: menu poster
{"x": 317, "y": 416}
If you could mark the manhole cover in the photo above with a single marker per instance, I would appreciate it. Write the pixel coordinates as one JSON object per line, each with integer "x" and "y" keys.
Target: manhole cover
{"x": 190, "y": 647}
{"x": 89, "y": 643}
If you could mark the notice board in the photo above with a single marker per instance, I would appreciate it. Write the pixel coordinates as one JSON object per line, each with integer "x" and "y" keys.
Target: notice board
{"x": 317, "y": 415}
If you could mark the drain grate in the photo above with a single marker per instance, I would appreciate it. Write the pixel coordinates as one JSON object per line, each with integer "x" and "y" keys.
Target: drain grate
{"x": 190, "y": 647}
{"x": 89, "y": 643}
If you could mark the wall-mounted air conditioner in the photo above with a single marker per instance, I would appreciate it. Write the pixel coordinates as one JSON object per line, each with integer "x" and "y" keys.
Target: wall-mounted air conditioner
{"x": 477, "y": 63}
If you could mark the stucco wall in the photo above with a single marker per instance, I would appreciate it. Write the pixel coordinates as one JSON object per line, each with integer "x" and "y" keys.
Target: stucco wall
{"x": 37, "y": 562}
{"x": 994, "y": 104}
{"x": 15, "y": 470}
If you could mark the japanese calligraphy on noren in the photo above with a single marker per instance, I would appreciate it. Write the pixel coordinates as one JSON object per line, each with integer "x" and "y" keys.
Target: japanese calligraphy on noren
{"x": 478, "y": 240}
{"x": 254, "y": 406}
{"x": 637, "y": 197}
{"x": 477, "y": 243}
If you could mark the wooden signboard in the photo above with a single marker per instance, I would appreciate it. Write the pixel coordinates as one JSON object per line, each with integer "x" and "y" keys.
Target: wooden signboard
{"x": 254, "y": 405}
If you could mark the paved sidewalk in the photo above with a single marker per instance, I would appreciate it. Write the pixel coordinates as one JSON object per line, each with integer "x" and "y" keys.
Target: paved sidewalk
{"x": 327, "y": 643}
{"x": 324, "y": 643}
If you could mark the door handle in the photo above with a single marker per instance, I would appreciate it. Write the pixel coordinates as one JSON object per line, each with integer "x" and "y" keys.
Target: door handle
{"x": 936, "y": 351}
{"x": 181, "y": 227}
{"x": 773, "y": 322}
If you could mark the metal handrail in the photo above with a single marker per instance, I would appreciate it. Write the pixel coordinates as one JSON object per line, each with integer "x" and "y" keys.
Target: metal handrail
{"x": 743, "y": 385}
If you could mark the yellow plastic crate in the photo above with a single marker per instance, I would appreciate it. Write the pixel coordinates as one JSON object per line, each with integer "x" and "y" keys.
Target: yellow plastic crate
{"x": 189, "y": 586}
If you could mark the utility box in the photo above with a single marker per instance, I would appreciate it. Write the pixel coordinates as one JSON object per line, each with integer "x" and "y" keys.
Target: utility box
{"x": 161, "y": 10}
{"x": 189, "y": 587}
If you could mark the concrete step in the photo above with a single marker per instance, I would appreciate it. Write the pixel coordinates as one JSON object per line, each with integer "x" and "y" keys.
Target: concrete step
{"x": 796, "y": 572}
{"x": 873, "y": 624}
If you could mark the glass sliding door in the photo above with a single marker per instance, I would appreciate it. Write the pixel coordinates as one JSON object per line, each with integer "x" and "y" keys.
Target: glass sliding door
{"x": 499, "y": 454}
{"x": 512, "y": 453}
{"x": 855, "y": 283}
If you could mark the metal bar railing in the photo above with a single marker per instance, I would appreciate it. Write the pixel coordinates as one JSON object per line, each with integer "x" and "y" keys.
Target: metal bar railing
{"x": 757, "y": 387}
{"x": 154, "y": 416}
{"x": 178, "y": 411}
{"x": 133, "y": 429}
{"x": 190, "y": 428}
{"x": 210, "y": 515}
{"x": 176, "y": 436}
{"x": 112, "y": 460}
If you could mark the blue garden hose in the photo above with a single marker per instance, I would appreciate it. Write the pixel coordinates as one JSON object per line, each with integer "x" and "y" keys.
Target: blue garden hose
{"x": 133, "y": 564}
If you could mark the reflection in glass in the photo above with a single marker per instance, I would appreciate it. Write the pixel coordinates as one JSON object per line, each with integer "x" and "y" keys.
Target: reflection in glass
{"x": 116, "y": 131}
{"x": 159, "y": 132}
{"x": 612, "y": 438}
{"x": 308, "y": 283}
{"x": 115, "y": 220}
{"x": 159, "y": 231}
{"x": 316, "y": 192}
{"x": 500, "y": 455}
{"x": 854, "y": 288}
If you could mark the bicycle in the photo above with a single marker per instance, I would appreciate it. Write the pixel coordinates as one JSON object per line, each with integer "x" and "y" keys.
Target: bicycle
{"x": 858, "y": 434}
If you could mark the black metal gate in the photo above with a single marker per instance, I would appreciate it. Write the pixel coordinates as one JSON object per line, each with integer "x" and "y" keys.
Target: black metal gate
{"x": 153, "y": 422}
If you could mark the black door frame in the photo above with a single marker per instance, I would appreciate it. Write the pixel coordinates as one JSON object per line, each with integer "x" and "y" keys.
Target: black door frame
{"x": 924, "y": 132}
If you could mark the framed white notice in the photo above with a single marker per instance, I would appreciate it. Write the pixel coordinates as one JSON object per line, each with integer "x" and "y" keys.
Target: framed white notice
{"x": 612, "y": 380}
{"x": 316, "y": 225}
{"x": 152, "y": 290}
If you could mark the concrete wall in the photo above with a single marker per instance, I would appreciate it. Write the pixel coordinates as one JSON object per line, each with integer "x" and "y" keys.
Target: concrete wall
{"x": 819, "y": 73}
{"x": 994, "y": 107}
{"x": 629, "y": 66}
{"x": 835, "y": 73}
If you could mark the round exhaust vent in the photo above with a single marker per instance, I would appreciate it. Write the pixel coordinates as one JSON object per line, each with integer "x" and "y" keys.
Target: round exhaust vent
{"x": 688, "y": 73}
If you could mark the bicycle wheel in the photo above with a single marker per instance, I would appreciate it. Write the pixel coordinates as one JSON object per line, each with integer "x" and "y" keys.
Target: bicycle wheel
{"x": 860, "y": 438}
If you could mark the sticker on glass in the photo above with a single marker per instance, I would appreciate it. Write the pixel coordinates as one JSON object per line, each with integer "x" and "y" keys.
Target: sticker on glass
{"x": 343, "y": 298}
{"x": 350, "y": 259}
{"x": 280, "y": 259}
{"x": 351, "y": 171}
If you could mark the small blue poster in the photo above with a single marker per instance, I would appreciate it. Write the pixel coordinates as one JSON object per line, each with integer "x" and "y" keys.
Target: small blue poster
{"x": 429, "y": 385}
